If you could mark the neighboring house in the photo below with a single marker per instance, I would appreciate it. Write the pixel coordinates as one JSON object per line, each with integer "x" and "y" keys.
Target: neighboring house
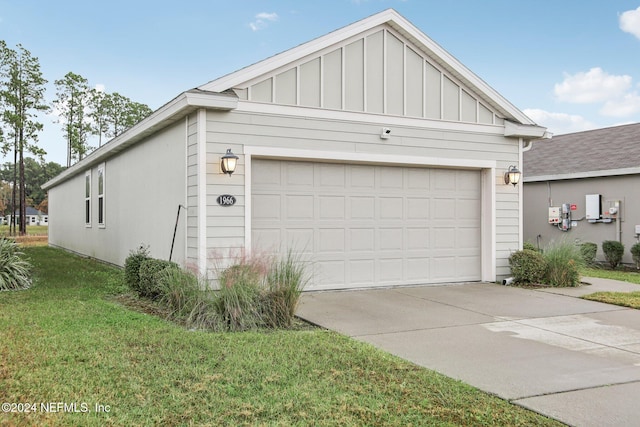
{"x": 596, "y": 175}
{"x": 33, "y": 216}
{"x": 371, "y": 151}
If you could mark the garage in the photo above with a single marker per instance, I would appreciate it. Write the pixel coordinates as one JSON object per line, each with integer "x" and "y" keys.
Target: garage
{"x": 369, "y": 225}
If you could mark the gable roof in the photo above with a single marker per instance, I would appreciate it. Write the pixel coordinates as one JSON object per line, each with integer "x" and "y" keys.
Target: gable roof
{"x": 218, "y": 94}
{"x": 401, "y": 25}
{"x": 601, "y": 152}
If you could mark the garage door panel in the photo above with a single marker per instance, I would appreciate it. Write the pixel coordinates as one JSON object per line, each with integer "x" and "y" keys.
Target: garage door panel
{"x": 390, "y": 178}
{"x": 362, "y": 272}
{"x": 332, "y": 176}
{"x": 362, "y": 207}
{"x": 362, "y": 239}
{"x": 390, "y": 239}
{"x": 389, "y": 270}
{"x": 298, "y": 207}
{"x": 362, "y": 177}
{"x": 331, "y": 207}
{"x": 298, "y": 175}
{"x": 363, "y": 225}
{"x": 331, "y": 240}
{"x": 417, "y": 268}
{"x": 266, "y": 206}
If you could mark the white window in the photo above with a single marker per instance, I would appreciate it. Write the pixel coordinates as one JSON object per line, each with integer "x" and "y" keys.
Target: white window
{"x": 101, "y": 190}
{"x": 87, "y": 198}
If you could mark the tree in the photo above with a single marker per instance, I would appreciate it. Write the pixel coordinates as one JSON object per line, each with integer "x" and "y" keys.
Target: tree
{"x": 99, "y": 103}
{"x": 22, "y": 98}
{"x": 73, "y": 98}
{"x": 35, "y": 174}
{"x": 122, "y": 113}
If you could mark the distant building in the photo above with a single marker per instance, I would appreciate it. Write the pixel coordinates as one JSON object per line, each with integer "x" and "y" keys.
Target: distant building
{"x": 584, "y": 187}
{"x": 34, "y": 217}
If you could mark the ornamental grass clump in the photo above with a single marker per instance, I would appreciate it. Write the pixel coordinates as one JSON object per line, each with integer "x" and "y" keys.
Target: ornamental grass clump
{"x": 563, "y": 261}
{"x": 285, "y": 280}
{"x": 15, "y": 272}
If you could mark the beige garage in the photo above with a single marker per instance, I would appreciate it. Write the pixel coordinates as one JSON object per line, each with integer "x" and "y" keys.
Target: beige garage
{"x": 370, "y": 225}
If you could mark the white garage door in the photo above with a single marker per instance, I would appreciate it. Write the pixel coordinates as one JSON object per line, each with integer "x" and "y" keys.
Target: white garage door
{"x": 363, "y": 225}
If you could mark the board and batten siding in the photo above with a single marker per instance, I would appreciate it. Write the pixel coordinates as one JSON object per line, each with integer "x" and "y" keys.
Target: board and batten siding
{"x": 377, "y": 72}
{"x": 236, "y": 129}
{"x": 134, "y": 214}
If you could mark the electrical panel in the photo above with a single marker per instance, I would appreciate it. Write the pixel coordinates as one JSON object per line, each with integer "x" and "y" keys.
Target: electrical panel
{"x": 593, "y": 207}
{"x": 565, "y": 217}
{"x": 554, "y": 215}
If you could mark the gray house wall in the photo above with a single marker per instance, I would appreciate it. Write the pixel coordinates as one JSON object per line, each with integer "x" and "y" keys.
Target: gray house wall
{"x": 538, "y": 196}
{"x": 143, "y": 187}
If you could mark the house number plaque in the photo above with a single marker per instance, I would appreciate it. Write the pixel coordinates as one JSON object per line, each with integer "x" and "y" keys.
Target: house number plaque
{"x": 226, "y": 200}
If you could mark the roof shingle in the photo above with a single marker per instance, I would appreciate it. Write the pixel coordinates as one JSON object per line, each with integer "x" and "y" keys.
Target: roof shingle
{"x": 595, "y": 150}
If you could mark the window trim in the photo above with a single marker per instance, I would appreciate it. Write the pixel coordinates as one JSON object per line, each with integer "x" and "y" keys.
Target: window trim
{"x": 87, "y": 199}
{"x": 101, "y": 197}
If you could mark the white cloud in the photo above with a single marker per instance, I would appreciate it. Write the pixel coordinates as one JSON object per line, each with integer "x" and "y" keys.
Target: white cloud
{"x": 262, "y": 20}
{"x": 595, "y": 85}
{"x": 559, "y": 123}
{"x": 630, "y": 22}
{"x": 626, "y": 106}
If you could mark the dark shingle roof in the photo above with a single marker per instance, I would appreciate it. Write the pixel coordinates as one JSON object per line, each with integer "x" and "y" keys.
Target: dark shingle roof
{"x": 579, "y": 153}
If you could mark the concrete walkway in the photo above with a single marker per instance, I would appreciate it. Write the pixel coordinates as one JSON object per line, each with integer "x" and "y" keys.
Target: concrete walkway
{"x": 574, "y": 360}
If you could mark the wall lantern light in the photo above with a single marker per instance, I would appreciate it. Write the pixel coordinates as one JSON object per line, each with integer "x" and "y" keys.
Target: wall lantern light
{"x": 229, "y": 162}
{"x": 512, "y": 176}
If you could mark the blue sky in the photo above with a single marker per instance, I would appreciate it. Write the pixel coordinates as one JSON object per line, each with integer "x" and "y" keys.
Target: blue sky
{"x": 571, "y": 65}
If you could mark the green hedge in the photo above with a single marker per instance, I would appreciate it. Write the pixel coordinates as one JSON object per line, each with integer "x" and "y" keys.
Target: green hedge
{"x": 527, "y": 266}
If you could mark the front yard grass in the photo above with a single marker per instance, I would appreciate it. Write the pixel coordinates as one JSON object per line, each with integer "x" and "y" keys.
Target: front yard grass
{"x": 67, "y": 341}
{"x": 625, "y": 299}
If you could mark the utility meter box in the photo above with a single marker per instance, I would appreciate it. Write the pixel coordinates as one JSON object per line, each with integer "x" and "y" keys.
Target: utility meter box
{"x": 554, "y": 215}
{"x": 593, "y": 206}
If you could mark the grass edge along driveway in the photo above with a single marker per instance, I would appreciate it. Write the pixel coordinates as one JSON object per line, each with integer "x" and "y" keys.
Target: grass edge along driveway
{"x": 82, "y": 359}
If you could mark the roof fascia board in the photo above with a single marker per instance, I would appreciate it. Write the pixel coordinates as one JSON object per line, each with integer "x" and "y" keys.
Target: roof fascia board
{"x": 165, "y": 115}
{"x": 525, "y": 131}
{"x": 580, "y": 175}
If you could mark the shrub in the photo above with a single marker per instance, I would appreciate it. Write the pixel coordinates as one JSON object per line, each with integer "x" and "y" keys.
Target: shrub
{"x": 132, "y": 267}
{"x": 613, "y": 252}
{"x": 529, "y": 246}
{"x": 14, "y": 270}
{"x": 237, "y": 302}
{"x": 588, "y": 252}
{"x": 527, "y": 266}
{"x": 635, "y": 252}
{"x": 563, "y": 261}
{"x": 284, "y": 283}
{"x": 149, "y": 282}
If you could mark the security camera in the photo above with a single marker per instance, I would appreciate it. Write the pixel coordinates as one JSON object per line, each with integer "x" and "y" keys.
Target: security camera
{"x": 386, "y": 132}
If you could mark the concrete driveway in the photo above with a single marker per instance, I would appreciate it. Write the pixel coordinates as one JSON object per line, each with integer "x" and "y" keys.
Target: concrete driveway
{"x": 574, "y": 360}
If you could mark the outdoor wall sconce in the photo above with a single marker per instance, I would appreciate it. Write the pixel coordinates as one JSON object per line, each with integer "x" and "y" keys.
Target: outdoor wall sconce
{"x": 512, "y": 176}
{"x": 228, "y": 162}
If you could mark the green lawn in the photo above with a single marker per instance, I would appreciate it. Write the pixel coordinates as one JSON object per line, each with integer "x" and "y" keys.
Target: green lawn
{"x": 33, "y": 230}
{"x": 625, "y": 299}
{"x": 66, "y": 340}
